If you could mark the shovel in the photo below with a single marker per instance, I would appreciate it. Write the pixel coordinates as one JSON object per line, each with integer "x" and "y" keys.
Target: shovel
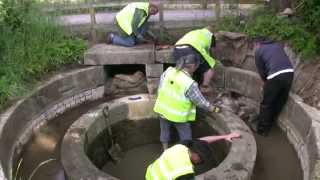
{"x": 114, "y": 151}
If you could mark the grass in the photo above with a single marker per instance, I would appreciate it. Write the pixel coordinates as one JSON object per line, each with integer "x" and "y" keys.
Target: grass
{"x": 31, "y": 45}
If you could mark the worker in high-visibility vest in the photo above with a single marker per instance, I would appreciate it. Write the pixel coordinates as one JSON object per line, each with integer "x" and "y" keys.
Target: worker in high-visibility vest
{"x": 132, "y": 24}
{"x": 181, "y": 161}
{"x": 178, "y": 96}
{"x": 199, "y": 42}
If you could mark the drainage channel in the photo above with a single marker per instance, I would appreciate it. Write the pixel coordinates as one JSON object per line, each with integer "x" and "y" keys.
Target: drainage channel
{"x": 276, "y": 158}
{"x": 44, "y": 147}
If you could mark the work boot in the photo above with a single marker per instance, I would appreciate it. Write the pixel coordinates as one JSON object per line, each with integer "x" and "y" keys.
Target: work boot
{"x": 254, "y": 127}
{"x": 165, "y": 146}
{"x": 109, "y": 38}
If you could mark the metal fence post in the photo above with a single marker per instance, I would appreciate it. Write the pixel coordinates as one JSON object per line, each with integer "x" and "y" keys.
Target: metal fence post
{"x": 93, "y": 23}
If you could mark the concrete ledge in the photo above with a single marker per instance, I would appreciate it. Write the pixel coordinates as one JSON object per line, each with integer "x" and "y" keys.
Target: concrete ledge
{"x": 241, "y": 158}
{"x": 247, "y": 83}
{"x": 164, "y": 56}
{"x": 103, "y": 54}
{"x": 60, "y": 93}
{"x": 300, "y": 121}
{"x": 239, "y": 162}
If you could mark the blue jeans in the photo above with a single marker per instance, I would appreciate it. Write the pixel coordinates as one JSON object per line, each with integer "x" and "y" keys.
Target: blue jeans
{"x": 131, "y": 40}
{"x": 184, "y": 130}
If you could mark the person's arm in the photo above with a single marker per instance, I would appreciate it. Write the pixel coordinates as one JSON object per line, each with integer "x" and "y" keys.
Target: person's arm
{"x": 227, "y": 137}
{"x": 138, "y": 15}
{"x": 260, "y": 65}
{"x": 195, "y": 95}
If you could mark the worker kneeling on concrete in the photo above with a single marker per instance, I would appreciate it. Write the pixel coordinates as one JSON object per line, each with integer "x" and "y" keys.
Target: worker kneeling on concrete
{"x": 178, "y": 96}
{"x": 179, "y": 162}
{"x": 132, "y": 24}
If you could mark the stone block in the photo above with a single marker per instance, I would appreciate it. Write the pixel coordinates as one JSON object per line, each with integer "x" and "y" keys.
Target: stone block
{"x": 152, "y": 85}
{"x": 103, "y": 54}
{"x": 219, "y": 77}
{"x": 243, "y": 82}
{"x": 316, "y": 171}
{"x": 164, "y": 56}
{"x": 154, "y": 70}
{"x": 118, "y": 111}
{"x": 300, "y": 119}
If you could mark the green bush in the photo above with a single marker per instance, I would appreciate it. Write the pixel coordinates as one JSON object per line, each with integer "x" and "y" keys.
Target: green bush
{"x": 266, "y": 23}
{"x": 31, "y": 45}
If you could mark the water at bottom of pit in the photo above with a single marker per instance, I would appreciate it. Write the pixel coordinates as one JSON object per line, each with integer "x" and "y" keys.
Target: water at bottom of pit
{"x": 134, "y": 163}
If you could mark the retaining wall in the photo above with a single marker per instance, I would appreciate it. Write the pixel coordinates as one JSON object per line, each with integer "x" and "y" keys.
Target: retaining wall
{"x": 299, "y": 121}
{"x": 60, "y": 93}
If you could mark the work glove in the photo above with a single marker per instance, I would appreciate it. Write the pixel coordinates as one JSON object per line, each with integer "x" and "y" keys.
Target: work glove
{"x": 215, "y": 108}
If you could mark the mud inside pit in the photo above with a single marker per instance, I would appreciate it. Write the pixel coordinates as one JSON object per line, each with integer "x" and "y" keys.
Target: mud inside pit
{"x": 140, "y": 142}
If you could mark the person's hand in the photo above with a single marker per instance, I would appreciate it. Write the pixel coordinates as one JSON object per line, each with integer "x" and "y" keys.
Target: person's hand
{"x": 215, "y": 109}
{"x": 231, "y": 136}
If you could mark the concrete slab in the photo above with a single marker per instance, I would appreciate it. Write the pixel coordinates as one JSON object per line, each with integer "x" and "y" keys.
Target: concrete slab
{"x": 164, "y": 56}
{"x": 244, "y": 82}
{"x": 154, "y": 70}
{"x": 103, "y": 54}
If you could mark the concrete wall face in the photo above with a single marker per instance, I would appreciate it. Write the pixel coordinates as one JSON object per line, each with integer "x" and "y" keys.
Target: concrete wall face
{"x": 59, "y": 94}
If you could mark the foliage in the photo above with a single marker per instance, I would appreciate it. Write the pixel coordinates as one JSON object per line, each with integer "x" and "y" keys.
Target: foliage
{"x": 309, "y": 12}
{"x": 31, "y": 45}
{"x": 266, "y": 23}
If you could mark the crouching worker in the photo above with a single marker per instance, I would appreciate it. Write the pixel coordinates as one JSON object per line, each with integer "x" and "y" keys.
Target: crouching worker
{"x": 132, "y": 24}
{"x": 199, "y": 42}
{"x": 180, "y": 161}
{"x": 178, "y": 96}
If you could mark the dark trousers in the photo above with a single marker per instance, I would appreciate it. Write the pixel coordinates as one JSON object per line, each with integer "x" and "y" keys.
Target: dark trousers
{"x": 275, "y": 96}
{"x": 184, "y": 130}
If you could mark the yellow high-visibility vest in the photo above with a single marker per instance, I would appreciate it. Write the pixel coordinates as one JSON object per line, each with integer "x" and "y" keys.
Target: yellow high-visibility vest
{"x": 200, "y": 40}
{"x": 173, "y": 163}
{"x": 171, "y": 101}
{"x": 125, "y": 16}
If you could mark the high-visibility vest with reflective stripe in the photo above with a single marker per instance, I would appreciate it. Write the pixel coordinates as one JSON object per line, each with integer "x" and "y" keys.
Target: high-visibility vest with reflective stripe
{"x": 171, "y": 101}
{"x": 200, "y": 40}
{"x": 173, "y": 163}
{"x": 125, "y": 16}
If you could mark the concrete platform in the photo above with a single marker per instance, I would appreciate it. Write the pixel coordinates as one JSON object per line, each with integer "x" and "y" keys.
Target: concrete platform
{"x": 103, "y": 54}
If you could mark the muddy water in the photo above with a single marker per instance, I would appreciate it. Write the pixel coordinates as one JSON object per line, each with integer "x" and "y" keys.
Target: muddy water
{"x": 45, "y": 145}
{"x": 276, "y": 158}
{"x": 134, "y": 163}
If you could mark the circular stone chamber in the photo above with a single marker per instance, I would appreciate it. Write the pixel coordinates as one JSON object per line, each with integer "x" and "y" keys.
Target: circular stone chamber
{"x": 135, "y": 128}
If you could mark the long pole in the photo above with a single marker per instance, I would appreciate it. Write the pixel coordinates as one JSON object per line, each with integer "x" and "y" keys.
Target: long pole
{"x": 93, "y": 23}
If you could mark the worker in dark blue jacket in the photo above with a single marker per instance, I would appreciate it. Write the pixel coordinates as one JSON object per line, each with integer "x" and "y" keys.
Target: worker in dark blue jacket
{"x": 276, "y": 71}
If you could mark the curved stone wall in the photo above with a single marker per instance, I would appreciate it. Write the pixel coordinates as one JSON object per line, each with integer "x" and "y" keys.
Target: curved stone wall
{"x": 60, "y": 93}
{"x": 240, "y": 159}
{"x": 299, "y": 121}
